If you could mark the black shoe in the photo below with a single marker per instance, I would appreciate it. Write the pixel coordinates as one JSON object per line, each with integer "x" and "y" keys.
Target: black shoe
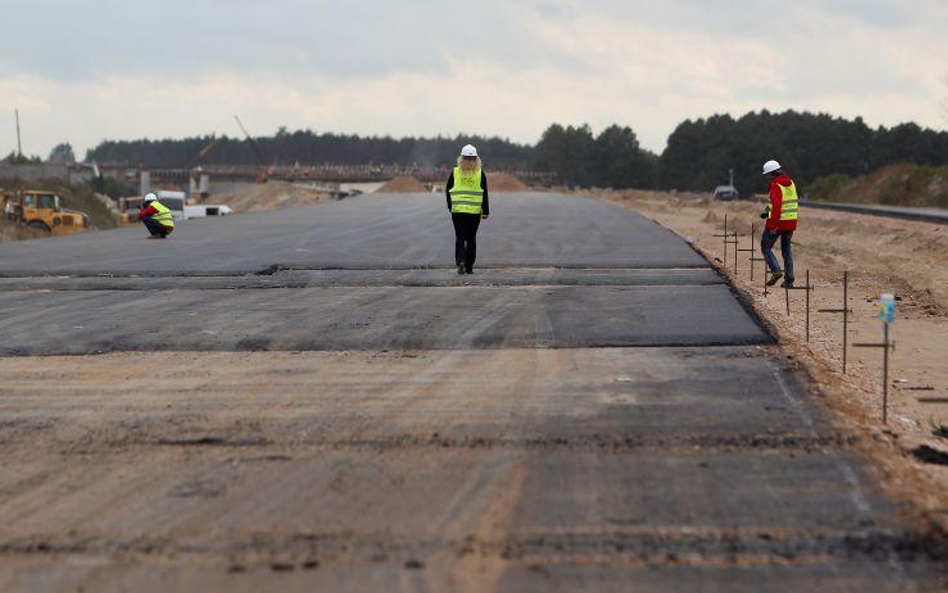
{"x": 469, "y": 270}
{"x": 774, "y": 278}
{"x": 787, "y": 284}
{"x": 461, "y": 269}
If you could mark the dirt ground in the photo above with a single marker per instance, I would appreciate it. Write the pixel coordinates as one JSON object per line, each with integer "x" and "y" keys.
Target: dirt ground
{"x": 272, "y": 195}
{"x": 906, "y": 258}
{"x": 498, "y": 182}
{"x": 506, "y": 182}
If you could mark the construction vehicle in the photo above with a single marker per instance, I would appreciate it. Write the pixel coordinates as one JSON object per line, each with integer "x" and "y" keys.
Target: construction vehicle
{"x": 41, "y": 211}
{"x": 128, "y": 210}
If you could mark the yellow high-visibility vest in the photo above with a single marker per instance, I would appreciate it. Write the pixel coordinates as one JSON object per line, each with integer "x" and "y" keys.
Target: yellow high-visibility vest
{"x": 164, "y": 214}
{"x": 467, "y": 197}
{"x": 790, "y": 202}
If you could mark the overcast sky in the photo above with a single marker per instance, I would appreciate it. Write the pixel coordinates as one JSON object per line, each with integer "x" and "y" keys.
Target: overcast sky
{"x": 84, "y": 71}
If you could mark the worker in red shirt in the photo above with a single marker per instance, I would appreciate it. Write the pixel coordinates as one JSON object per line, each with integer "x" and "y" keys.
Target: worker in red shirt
{"x": 781, "y": 218}
{"x": 156, "y": 217}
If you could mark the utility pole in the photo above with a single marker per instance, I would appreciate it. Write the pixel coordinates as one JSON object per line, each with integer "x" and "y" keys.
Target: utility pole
{"x": 731, "y": 175}
{"x": 19, "y": 145}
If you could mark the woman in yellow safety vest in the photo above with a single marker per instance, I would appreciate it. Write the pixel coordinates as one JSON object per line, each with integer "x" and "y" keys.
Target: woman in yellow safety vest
{"x": 466, "y": 193}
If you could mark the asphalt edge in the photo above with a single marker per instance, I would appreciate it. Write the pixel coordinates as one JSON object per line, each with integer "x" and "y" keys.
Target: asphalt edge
{"x": 743, "y": 298}
{"x": 931, "y": 530}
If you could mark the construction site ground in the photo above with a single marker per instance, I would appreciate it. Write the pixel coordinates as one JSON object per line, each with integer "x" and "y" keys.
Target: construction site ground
{"x": 314, "y": 399}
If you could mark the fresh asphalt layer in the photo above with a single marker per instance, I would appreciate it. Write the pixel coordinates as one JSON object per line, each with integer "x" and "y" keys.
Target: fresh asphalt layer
{"x": 372, "y": 232}
{"x": 371, "y": 273}
{"x": 377, "y": 278}
{"x": 591, "y": 410}
{"x": 88, "y": 322}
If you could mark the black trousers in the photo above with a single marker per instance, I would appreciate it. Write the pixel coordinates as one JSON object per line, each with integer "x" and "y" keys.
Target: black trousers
{"x": 465, "y": 238}
{"x": 155, "y": 228}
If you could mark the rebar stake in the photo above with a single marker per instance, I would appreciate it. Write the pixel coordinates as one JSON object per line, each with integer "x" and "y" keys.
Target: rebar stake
{"x": 845, "y": 312}
{"x": 751, "y": 250}
{"x": 786, "y": 289}
{"x": 766, "y": 269}
{"x": 808, "y": 288}
{"x": 725, "y": 235}
{"x": 733, "y": 241}
{"x": 886, "y": 345}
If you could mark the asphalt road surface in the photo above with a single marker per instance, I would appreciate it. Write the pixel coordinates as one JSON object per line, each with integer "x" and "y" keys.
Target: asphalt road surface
{"x": 312, "y": 399}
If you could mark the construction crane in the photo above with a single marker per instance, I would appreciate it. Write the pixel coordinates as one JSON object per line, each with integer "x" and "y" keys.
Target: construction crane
{"x": 204, "y": 151}
{"x": 262, "y": 177}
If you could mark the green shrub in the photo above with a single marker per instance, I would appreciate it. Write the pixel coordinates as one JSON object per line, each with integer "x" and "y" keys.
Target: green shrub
{"x": 828, "y": 188}
{"x": 82, "y": 197}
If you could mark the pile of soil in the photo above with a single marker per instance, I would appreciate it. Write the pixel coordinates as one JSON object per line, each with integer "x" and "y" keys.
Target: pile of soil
{"x": 272, "y": 195}
{"x": 403, "y": 184}
{"x": 505, "y": 182}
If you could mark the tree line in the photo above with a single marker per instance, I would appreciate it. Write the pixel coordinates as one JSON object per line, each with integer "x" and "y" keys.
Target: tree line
{"x": 810, "y": 146}
{"x": 308, "y": 148}
{"x": 698, "y": 155}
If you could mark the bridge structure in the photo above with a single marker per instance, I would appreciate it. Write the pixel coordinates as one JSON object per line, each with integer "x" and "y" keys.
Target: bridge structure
{"x": 325, "y": 173}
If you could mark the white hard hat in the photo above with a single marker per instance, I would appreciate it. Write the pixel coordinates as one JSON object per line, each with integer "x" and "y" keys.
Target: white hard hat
{"x": 771, "y": 166}
{"x": 469, "y": 151}
{"x": 150, "y": 198}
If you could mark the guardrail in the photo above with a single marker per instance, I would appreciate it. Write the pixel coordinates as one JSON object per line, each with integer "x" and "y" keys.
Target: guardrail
{"x": 921, "y": 214}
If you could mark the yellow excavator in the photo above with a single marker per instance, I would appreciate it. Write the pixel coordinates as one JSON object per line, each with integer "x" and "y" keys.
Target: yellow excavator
{"x": 128, "y": 210}
{"x": 41, "y": 211}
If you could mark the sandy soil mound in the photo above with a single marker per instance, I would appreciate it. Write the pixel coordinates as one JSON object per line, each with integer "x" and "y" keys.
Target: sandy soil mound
{"x": 403, "y": 183}
{"x": 505, "y": 182}
{"x": 272, "y": 195}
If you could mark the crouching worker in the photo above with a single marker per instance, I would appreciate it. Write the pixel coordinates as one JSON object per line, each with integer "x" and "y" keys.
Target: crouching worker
{"x": 156, "y": 217}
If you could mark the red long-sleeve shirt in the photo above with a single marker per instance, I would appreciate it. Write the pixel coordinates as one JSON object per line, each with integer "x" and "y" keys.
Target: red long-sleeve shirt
{"x": 776, "y": 205}
{"x": 147, "y": 211}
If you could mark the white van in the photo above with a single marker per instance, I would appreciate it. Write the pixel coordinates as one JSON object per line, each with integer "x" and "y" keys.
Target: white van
{"x": 174, "y": 201}
{"x": 205, "y": 210}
